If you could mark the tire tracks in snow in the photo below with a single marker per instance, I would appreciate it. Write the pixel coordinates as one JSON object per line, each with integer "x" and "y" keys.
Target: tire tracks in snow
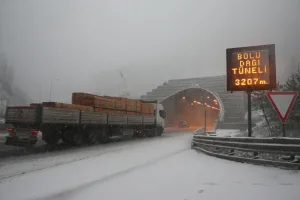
{"x": 110, "y": 149}
{"x": 67, "y": 194}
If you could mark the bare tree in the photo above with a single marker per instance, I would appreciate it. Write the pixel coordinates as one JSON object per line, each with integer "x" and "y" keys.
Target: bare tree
{"x": 6, "y": 75}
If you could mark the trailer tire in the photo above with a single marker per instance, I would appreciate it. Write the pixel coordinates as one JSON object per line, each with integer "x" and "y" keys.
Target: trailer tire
{"x": 104, "y": 137}
{"x": 151, "y": 132}
{"x": 51, "y": 136}
{"x": 144, "y": 133}
{"x": 78, "y": 139}
{"x": 93, "y": 138}
{"x": 160, "y": 131}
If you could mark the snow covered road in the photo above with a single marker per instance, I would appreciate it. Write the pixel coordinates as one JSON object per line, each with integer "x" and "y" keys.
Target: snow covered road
{"x": 157, "y": 168}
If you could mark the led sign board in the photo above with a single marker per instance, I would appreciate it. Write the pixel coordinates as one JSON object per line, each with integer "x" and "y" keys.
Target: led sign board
{"x": 251, "y": 68}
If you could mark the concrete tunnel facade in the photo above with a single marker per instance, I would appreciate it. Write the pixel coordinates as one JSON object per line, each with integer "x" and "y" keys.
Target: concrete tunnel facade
{"x": 233, "y": 105}
{"x": 198, "y": 106}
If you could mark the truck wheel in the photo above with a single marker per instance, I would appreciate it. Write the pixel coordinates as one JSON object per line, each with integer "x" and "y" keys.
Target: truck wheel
{"x": 33, "y": 142}
{"x": 51, "y": 138}
{"x": 93, "y": 138}
{"x": 151, "y": 132}
{"x": 104, "y": 138}
{"x": 160, "y": 131}
{"x": 78, "y": 138}
{"x": 144, "y": 133}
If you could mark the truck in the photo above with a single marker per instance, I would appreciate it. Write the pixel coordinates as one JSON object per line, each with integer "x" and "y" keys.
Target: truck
{"x": 79, "y": 126}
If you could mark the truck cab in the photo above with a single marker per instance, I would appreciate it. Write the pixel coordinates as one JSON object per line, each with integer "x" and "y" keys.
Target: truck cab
{"x": 160, "y": 116}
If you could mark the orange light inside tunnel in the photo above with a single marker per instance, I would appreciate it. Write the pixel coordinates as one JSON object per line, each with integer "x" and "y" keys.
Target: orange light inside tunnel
{"x": 183, "y": 97}
{"x": 195, "y": 101}
{"x": 208, "y": 97}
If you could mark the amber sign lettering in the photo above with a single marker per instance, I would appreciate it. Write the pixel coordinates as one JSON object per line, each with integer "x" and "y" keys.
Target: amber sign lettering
{"x": 250, "y": 70}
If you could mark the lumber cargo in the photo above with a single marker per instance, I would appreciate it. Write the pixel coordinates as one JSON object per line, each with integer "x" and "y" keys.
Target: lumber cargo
{"x": 67, "y": 106}
{"x": 133, "y": 113}
{"x": 147, "y": 108}
{"x": 93, "y": 100}
{"x": 131, "y": 105}
{"x": 120, "y": 102}
{"x": 109, "y": 111}
{"x": 138, "y": 106}
{"x": 126, "y": 104}
{"x": 113, "y": 103}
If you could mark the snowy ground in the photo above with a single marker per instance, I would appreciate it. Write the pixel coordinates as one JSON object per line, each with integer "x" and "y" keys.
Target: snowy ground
{"x": 158, "y": 168}
{"x": 228, "y": 132}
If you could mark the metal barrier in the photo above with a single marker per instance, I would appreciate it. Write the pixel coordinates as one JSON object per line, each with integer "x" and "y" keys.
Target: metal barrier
{"x": 199, "y": 131}
{"x": 279, "y": 152}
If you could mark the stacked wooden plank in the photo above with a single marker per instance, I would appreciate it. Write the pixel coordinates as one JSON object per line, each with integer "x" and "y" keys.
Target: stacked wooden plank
{"x": 131, "y": 105}
{"x": 133, "y": 113}
{"x": 120, "y": 103}
{"x": 109, "y": 111}
{"x": 125, "y": 104}
{"x": 68, "y": 106}
{"x": 139, "y": 106}
{"x": 93, "y": 101}
{"x": 113, "y": 105}
{"x": 147, "y": 108}
{"x": 105, "y": 104}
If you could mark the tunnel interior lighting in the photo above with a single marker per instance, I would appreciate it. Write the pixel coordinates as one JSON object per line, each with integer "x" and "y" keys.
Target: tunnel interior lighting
{"x": 183, "y": 97}
{"x": 215, "y": 108}
{"x": 208, "y": 97}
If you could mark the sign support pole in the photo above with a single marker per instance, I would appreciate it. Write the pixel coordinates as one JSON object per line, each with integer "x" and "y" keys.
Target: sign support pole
{"x": 283, "y": 130}
{"x": 249, "y": 114}
{"x": 205, "y": 120}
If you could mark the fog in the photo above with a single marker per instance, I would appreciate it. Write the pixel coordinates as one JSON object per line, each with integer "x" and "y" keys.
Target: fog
{"x": 81, "y": 45}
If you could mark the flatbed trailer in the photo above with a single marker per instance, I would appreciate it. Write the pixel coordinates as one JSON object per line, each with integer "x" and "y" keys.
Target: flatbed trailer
{"x": 78, "y": 126}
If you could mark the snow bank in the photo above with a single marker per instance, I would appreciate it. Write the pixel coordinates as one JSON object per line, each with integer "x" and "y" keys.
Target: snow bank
{"x": 227, "y": 132}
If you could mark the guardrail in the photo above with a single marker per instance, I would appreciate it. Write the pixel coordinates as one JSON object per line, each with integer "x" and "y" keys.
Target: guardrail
{"x": 199, "y": 131}
{"x": 279, "y": 152}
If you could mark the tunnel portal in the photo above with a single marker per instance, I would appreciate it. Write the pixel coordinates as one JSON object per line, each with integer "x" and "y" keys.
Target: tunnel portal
{"x": 192, "y": 105}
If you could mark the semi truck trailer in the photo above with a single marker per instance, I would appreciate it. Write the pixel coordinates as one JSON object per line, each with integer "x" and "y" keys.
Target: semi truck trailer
{"x": 75, "y": 126}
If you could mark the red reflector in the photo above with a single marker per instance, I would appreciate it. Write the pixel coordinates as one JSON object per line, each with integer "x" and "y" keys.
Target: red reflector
{"x": 11, "y": 132}
{"x": 34, "y": 131}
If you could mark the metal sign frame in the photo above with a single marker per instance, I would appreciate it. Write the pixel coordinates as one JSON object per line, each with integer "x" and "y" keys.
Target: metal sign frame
{"x": 272, "y": 68}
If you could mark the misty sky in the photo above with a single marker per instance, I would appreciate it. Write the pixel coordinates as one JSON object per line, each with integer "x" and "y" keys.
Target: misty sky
{"x": 81, "y": 44}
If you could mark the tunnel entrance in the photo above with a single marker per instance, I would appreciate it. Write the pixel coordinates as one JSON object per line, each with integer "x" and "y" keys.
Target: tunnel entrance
{"x": 190, "y": 105}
